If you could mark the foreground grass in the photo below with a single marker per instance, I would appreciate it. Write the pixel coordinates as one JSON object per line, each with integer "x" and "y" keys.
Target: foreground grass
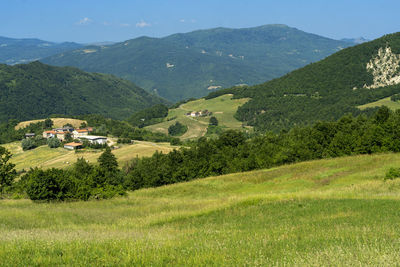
{"x": 329, "y": 212}
{"x": 383, "y": 102}
{"x": 223, "y": 108}
{"x": 45, "y": 157}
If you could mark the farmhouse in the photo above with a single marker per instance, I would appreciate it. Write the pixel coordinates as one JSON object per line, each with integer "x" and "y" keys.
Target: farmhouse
{"x": 29, "y": 135}
{"x": 73, "y": 146}
{"x": 49, "y": 134}
{"x": 94, "y": 139}
{"x": 202, "y": 113}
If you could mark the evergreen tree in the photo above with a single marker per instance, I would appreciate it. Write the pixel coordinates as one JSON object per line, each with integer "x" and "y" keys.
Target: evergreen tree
{"x": 213, "y": 121}
{"x": 107, "y": 161}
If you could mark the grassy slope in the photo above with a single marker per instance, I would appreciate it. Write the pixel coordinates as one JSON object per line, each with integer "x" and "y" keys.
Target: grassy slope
{"x": 383, "y": 102}
{"x": 330, "y": 212}
{"x": 58, "y": 122}
{"x": 46, "y": 157}
{"x": 223, "y": 108}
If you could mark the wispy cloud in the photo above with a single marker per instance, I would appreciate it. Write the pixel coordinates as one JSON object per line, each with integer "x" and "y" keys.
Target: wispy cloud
{"x": 84, "y": 21}
{"x": 142, "y": 24}
{"x": 187, "y": 20}
{"x": 125, "y": 25}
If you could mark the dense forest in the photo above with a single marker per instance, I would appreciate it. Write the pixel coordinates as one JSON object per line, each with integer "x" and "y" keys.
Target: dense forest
{"x": 231, "y": 152}
{"x": 36, "y": 90}
{"x": 325, "y": 90}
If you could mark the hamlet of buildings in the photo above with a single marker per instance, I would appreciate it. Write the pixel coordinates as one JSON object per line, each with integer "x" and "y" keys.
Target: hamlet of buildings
{"x": 202, "y": 113}
{"x": 81, "y": 134}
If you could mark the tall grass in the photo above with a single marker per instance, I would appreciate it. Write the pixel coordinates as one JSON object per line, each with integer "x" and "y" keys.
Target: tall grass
{"x": 330, "y": 212}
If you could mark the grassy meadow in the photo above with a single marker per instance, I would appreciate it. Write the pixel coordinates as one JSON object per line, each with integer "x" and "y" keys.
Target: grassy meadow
{"x": 58, "y": 122}
{"x": 223, "y": 108}
{"x": 45, "y": 157}
{"x": 331, "y": 212}
{"x": 382, "y": 102}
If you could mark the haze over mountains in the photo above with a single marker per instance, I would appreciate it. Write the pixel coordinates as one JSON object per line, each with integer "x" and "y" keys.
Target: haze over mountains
{"x": 192, "y": 64}
{"x": 16, "y": 51}
{"x": 35, "y": 91}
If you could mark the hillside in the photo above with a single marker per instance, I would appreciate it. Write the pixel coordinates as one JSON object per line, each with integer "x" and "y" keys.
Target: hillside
{"x": 45, "y": 157}
{"x": 17, "y": 51}
{"x": 223, "y": 108}
{"x": 192, "y": 64}
{"x": 325, "y": 90}
{"x": 36, "y": 90}
{"x": 298, "y": 215}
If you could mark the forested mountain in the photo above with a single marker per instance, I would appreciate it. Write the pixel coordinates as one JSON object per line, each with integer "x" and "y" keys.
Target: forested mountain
{"x": 15, "y": 51}
{"x": 325, "y": 90}
{"x": 36, "y": 90}
{"x": 192, "y": 64}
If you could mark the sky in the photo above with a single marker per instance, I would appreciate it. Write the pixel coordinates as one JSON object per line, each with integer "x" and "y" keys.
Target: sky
{"x": 88, "y": 21}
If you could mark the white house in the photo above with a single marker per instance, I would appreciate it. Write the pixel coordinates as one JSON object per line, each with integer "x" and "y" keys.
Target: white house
{"x": 94, "y": 139}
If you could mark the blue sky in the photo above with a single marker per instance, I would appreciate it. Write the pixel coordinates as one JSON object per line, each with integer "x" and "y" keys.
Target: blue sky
{"x": 117, "y": 20}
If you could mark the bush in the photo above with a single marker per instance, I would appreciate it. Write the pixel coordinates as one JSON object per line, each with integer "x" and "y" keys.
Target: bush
{"x": 28, "y": 144}
{"x": 177, "y": 129}
{"x": 392, "y": 173}
{"x": 53, "y": 184}
{"x": 53, "y": 142}
{"x": 213, "y": 121}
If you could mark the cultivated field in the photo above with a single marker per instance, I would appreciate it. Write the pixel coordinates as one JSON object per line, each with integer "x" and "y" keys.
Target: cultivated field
{"x": 383, "y": 102}
{"x": 223, "y": 108}
{"x": 45, "y": 157}
{"x": 321, "y": 213}
{"x": 58, "y": 122}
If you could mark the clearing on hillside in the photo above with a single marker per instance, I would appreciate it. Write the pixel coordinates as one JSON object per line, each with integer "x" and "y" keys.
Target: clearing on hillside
{"x": 331, "y": 212}
{"x": 45, "y": 157}
{"x": 222, "y": 107}
{"x": 383, "y": 102}
{"x": 58, "y": 122}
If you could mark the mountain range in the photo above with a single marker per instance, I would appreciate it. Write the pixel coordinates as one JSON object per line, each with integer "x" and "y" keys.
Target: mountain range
{"x": 16, "y": 51}
{"x": 193, "y": 64}
{"x": 325, "y": 90}
{"x": 35, "y": 91}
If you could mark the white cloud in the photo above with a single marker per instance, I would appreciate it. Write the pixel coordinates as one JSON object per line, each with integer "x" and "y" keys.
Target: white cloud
{"x": 84, "y": 21}
{"x": 187, "y": 21}
{"x": 106, "y": 23}
{"x": 182, "y": 20}
{"x": 125, "y": 25}
{"x": 142, "y": 24}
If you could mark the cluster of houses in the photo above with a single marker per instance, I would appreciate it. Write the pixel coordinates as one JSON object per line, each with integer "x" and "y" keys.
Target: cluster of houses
{"x": 202, "y": 113}
{"x": 80, "y": 134}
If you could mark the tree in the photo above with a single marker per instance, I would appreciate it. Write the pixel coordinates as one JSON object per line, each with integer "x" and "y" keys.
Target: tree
{"x": 48, "y": 123}
{"x": 53, "y": 142}
{"x": 213, "y": 121}
{"x": 83, "y": 125}
{"x": 7, "y": 171}
{"x": 28, "y": 143}
{"x": 68, "y": 137}
{"x": 107, "y": 161}
{"x": 177, "y": 129}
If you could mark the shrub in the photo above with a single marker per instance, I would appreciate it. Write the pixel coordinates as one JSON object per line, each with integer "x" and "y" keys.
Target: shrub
{"x": 53, "y": 142}
{"x": 213, "y": 121}
{"x": 392, "y": 173}
{"x": 28, "y": 144}
{"x": 177, "y": 129}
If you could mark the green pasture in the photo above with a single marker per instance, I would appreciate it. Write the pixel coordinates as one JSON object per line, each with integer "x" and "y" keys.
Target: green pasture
{"x": 335, "y": 212}
{"x": 223, "y": 108}
{"x": 45, "y": 157}
{"x": 382, "y": 102}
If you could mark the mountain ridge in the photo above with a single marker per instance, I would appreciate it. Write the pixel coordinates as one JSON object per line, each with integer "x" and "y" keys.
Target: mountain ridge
{"x": 186, "y": 65}
{"x": 35, "y": 90}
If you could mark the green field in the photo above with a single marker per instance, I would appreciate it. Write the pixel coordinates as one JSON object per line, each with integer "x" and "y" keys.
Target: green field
{"x": 321, "y": 213}
{"x": 383, "y": 102}
{"x": 223, "y": 108}
{"x": 45, "y": 157}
